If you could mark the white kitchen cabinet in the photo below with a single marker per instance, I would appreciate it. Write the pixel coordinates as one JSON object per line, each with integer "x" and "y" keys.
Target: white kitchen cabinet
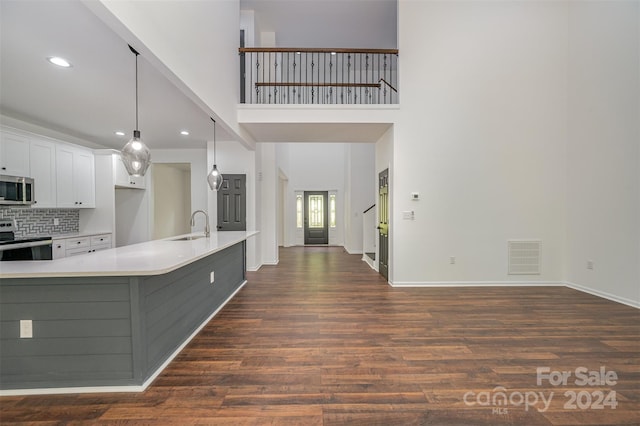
{"x": 74, "y": 246}
{"x": 75, "y": 177}
{"x": 59, "y": 249}
{"x": 100, "y": 242}
{"x": 14, "y": 154}
{"x": 42, "y": 156}
{"x": 122, "y": 178}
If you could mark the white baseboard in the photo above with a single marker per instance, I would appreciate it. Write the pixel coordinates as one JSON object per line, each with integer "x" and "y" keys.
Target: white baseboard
{"x": 475, "y": 283}
{"x": 63, "y": 391}
{"x": 253, "y": 268}
{"x": 369, "y": 262}
{"x": 353, "y": 251}
{"x": 604, "y": 295}
{"x": 135, "y": 388}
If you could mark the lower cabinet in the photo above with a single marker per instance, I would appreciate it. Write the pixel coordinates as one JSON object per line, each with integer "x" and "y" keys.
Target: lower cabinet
{"x": 65, "y": 247}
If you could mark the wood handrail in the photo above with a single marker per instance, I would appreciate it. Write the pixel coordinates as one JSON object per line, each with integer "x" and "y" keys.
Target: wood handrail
{"x": 285, "y": 84}
{"x": 388, "y": 84}
{"x": 315, "y": 50}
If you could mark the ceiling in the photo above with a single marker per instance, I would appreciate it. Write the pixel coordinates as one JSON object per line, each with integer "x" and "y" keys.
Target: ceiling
{"x": 328, "y": 23}
{"x": 96, "y": 96}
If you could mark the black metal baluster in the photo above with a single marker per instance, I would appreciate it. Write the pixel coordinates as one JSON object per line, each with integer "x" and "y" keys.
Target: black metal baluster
{"x": 385, "y": 77}
{"x": 294, "y": 76}
{"x": 342, "y": 78}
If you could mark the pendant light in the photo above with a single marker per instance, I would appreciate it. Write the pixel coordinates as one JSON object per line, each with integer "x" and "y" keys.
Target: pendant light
{"x": 135, "y": 154}
{"x": 214, "y": 177}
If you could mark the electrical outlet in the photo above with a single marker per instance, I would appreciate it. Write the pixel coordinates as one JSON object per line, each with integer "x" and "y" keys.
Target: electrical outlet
{"x": 56, "y": 221}
{"x": 26, "y": 329}
{"x": 212, "y": 277}
{"x": 589, "y": 264}
{"x": 452, "y": 260}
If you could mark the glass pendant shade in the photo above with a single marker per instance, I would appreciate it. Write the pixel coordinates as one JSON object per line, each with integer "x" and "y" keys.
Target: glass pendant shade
{"x": 214, "y": 178}
{"x": 136, "y": 156}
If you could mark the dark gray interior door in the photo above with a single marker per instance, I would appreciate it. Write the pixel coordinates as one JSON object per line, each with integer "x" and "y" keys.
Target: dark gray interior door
{"x": 383, "y": 225}
{"x": 232, "y": 203}
{"x": 316, "y": 217}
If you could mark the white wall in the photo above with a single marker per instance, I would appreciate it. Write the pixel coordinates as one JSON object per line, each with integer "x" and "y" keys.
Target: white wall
{"x": 233, "y": 158}
{"x": 197, "y": 158}
{"x": 196, "y": 41}
{"x": 360, "y": 191}
{"x": 132, "y": 216}
{"x": 481, "y": 136}
{"x": 315, "y": 167}
{"x": 268, "y": 181}
{"x": 603, "y": 164}
{"x": 172, "y": 202}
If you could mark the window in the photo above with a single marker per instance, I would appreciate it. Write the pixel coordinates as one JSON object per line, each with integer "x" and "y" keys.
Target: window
{"x": 316, "y": 211}
{"x": 332, "y": 210}
{"x": 299, "y": 211}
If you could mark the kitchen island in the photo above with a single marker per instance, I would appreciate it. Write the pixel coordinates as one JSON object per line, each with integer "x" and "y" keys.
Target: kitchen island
{"x": 112, "y": 320}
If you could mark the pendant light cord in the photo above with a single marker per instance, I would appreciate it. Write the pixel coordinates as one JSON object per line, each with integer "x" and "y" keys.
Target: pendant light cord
{"x": 214, "y": 140}
{"x": 136, "y": 92}
{"x": 135, "y": 52}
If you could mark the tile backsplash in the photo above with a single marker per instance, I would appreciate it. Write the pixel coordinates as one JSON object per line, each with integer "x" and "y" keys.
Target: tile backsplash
{"x": 35, "y": 222}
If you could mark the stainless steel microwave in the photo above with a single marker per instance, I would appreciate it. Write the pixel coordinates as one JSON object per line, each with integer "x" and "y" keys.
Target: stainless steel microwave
{"x": 16, "y": 190}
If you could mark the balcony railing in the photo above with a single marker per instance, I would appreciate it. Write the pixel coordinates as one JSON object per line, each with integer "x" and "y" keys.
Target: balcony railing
{"x": 318, "y": 76}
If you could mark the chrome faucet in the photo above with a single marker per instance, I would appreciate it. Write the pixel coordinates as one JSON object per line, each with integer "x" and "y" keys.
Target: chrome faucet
{"x": 207, "y": 230}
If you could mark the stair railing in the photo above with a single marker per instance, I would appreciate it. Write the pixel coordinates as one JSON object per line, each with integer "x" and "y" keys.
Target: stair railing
{"x": 319, "y": 76}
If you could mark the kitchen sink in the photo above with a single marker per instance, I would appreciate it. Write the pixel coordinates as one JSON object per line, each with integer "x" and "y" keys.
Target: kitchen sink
{"x": 193, "y": 237}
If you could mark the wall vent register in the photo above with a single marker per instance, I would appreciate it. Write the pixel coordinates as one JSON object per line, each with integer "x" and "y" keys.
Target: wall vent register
{"x": 524, "y": 257}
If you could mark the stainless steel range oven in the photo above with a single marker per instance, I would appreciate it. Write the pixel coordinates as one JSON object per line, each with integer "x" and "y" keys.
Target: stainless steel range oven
{"x": 11, "y": 248}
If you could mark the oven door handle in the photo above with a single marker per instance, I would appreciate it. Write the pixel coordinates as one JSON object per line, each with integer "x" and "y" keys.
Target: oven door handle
{"x": 5, "y": 247}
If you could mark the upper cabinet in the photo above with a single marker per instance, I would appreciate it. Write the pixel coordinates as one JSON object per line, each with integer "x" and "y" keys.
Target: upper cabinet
{"x": 42, "y": 156}
{"x": 14, "y": 154}
{"x": 63, "y": 174}
{"x": 75, "y": 177}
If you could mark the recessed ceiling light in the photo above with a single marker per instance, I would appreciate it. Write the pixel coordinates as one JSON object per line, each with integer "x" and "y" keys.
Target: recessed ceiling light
{"x": 61, "y": 62}
{"x": 184, "y": 133}
{"x": 120, "y": 133}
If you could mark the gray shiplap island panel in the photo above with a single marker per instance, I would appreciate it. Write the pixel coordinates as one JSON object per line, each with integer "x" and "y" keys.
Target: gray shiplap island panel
{"x": 108, "y": 331}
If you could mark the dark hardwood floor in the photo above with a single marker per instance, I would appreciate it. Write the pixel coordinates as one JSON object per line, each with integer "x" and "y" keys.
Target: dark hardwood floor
{"x": 321, "y": 339}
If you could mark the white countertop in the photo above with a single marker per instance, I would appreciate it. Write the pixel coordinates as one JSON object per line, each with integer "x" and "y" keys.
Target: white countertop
{"x": 150, "y": 258}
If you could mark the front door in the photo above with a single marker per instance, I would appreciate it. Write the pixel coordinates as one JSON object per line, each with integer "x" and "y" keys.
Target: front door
{"x": 316, "y": 217}
{"x": 232, "y": 203}
{"x": 383, "y": 225}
